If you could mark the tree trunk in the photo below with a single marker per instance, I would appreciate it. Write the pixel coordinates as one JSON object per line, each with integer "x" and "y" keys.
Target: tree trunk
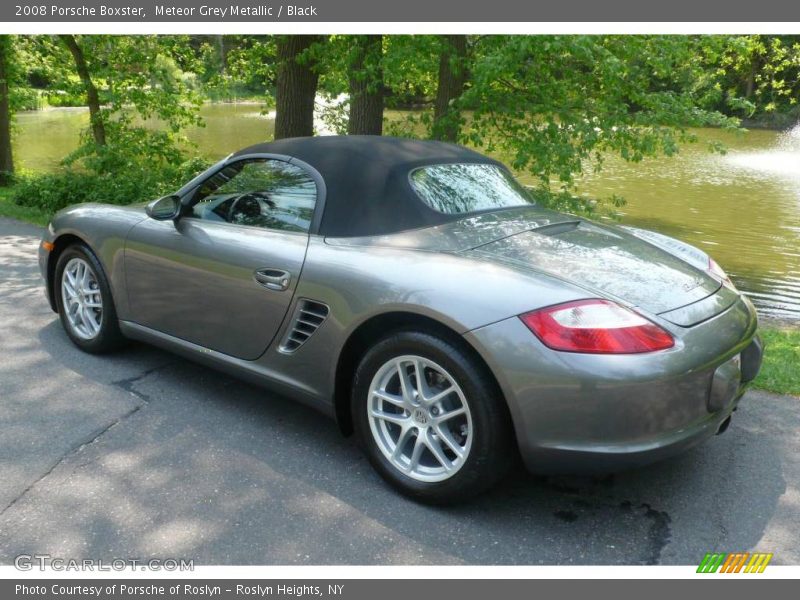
{"x": 223, "y": 53}
{"x": 92, "y": 97}
{"x": 452, "y": 79}
{"x": 296, "y": 87}
{"x": 366, "y": 86}
{"x": 6, "y": 156}
{"x": 750, "y": 83}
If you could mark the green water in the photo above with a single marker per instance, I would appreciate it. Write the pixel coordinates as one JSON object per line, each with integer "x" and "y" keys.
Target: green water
{"x": 742, "y": 207}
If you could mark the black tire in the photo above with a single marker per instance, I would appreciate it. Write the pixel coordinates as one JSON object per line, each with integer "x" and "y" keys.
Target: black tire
{"x": 109, "y": 338}
{"x": 492, "y": 450}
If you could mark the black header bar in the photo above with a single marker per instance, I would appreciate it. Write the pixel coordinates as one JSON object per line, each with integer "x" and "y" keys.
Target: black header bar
{"x": 461, "y": 11}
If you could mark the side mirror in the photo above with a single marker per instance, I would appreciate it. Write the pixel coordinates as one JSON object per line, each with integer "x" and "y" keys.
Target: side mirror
{"x": 164, "y": 209}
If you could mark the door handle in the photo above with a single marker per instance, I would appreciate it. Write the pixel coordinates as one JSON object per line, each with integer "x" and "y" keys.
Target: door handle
{"x": 273, "y": 279}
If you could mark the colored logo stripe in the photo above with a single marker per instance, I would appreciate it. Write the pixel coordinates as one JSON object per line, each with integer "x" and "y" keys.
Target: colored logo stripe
{"x": 734, "y": 562}
{"x": 710, "y": 563}
{"x": 759, "y": 561}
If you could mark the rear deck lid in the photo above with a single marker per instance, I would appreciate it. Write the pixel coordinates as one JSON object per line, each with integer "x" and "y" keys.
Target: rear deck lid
{"x": 608, "y": 260}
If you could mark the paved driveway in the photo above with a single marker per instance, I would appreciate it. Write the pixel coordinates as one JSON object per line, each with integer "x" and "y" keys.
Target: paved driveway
{"x": 143, "y": 454}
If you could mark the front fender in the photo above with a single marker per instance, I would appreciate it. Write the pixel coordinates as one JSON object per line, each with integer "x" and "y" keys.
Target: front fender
{"x": 104, "y": 229}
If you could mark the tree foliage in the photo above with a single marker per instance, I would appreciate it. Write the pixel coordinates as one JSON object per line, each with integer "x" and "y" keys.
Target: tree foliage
{"x": 552, "y": 106}
{"x": 552, "y": 103}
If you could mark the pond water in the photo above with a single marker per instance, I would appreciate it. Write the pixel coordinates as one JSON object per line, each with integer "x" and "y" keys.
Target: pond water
{"x": 742, "y": 207}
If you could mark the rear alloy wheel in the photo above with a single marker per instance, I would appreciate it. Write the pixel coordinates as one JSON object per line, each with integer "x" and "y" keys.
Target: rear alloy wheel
{"x": 419, "y": 418}
{"x": 84, "y": 302}
{"x": 430, "y": 418}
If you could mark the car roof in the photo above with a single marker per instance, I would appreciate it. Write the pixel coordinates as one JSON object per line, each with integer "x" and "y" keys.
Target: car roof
{"x": 368, "y": 191}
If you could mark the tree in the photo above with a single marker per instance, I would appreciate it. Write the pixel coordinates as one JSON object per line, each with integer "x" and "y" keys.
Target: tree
{"x": 452, "y": 79}
{"x": 92, "y": 97}
{"x": 555, "y": 104}
{"x": 366, "y": 86}
{"x": 753, "y": 76}
{"x": 6, "y": 155}
{"x": 130, "y": 80}
{"x": 296, "y": 87}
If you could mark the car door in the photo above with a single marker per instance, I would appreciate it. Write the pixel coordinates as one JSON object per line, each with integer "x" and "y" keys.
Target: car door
{"x": 224, "y": 274}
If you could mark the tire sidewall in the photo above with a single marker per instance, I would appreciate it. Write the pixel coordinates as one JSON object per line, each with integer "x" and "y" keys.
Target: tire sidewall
{"x": 107, "y": 337}
{"x": 481, "y": 397}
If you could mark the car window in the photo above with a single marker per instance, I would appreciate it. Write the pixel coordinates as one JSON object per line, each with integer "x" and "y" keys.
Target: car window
{"x": 465, "y": 188}
{"x": 260, "y": 193}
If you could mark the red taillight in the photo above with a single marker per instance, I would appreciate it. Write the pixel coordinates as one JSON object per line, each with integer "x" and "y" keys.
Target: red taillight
{"x": 596, "y": 327}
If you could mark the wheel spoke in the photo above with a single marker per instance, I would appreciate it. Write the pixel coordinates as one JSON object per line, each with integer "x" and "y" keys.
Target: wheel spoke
{"x": 438, "y": 396}
{"x": 73, "y": 281}
{"x": 405, "y": 383}
{"x": 419, "y": 375}
{"x": 402, "y": 440}
{"x": 416, "y": 454}
{"x": 84, "y": 279}
{"x": 78, "y": 320}
{"x": 70, "y": 289}
{"x": 438, "y": 453}
{"x": 89, "y": 319}
{"x": 390, "y": 398}
{"x": 445, "y": 435}
{"x": 398, "y": 419}
{"x": 451, "y": 414}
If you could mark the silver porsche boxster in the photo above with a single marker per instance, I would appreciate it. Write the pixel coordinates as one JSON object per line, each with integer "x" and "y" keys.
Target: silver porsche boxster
{"x": 417, "y": 293}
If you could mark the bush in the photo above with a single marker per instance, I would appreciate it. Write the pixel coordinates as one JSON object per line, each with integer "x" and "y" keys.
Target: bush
{"x": 131, "y": 183}
{"x": 25, "y": 98}
{"x": 61, "y": 98}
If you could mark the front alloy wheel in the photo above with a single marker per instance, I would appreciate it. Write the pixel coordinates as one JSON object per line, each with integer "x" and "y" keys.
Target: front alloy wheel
{"x": 82, "y": 299}
{"x": 84, "y": 302}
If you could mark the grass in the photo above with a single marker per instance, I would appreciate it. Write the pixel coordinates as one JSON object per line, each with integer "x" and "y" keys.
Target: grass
{"x": 21, "y": 213}
{"x": 780, "y": 372}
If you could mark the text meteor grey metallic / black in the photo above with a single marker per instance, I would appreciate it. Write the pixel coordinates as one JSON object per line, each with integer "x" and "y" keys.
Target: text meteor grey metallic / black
{"x": 418, "y": 294}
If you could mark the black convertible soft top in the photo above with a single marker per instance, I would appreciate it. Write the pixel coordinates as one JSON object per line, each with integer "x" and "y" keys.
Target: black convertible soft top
{"x": 367, "y": 179}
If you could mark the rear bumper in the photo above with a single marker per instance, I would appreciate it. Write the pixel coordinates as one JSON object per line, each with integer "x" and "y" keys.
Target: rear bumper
{"x": 579, "y": 413}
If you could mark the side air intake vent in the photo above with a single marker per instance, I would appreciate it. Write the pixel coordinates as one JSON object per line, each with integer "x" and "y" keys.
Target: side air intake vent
{"x": 308, "y": 316}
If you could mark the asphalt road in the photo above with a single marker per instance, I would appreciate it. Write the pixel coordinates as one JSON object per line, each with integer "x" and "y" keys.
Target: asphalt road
{"x": 143, "y": 454}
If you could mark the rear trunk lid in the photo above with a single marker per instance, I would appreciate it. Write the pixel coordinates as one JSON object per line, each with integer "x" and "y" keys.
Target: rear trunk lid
{"x": 606, "y": 260}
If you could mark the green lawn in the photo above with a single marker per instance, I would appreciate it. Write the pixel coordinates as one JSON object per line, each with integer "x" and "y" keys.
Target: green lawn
{"x": 23, "y": 213}
{"x": 781, "y": 370}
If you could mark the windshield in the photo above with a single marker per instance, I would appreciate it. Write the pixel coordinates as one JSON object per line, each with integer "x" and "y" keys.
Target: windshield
{"x": 465, "y": 188}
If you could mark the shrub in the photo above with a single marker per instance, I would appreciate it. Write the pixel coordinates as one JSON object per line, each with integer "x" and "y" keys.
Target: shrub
{"x": 132, "y": 182}
{"x": 59, "y": 98}
{"x": 25, "y": 98}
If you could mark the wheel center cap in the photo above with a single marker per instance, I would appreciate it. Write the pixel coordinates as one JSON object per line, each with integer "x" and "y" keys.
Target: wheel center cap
{"x": 420, "y": 416}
